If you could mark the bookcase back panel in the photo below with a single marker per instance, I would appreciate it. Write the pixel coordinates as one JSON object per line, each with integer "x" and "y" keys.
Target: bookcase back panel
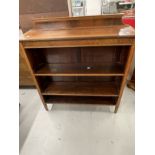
{"x": 76, "y": 58}
{"x": 61, "y": 55}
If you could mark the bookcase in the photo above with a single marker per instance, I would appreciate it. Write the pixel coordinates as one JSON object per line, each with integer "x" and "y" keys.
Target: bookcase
{"x": 79, "y": 60}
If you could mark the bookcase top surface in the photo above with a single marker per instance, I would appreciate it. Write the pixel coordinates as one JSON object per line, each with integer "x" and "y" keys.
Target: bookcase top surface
{"x": 106, "y": 26}
{"x": 79, "y": 33}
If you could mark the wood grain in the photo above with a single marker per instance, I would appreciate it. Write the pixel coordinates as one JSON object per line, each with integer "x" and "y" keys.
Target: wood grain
{"x": 78, "y": 42}
{"x": 76, "y": 33}
{"x": 80, "y": 70}
{"x": 80, "y": 22}
{"x": 127, "y": 67}
{"x": 34, "y": 79}
{"x": 81, "y": 89}
{"x": 79, "y": 60}
{"x": 25, "y": 78}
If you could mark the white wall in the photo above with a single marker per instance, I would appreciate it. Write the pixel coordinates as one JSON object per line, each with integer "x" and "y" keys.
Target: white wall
{"x": 93, "y": 7}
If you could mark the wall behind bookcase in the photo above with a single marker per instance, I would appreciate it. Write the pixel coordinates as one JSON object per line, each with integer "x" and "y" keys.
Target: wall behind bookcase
{"x": 29, "y": 9}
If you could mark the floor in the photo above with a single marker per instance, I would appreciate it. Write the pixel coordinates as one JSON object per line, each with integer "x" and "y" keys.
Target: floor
{"x": 76, "y": 129}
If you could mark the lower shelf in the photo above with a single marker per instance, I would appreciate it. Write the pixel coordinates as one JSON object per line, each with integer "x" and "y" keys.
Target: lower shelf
{"x": 81, "y": 89}
{"x": 80, "y": 100}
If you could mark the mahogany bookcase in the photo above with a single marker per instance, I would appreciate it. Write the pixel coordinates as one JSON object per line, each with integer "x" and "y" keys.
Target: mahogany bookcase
{"x": 79, "y": 60}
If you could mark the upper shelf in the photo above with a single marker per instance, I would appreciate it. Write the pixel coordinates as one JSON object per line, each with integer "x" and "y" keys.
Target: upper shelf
{"x": 78, "y": 28}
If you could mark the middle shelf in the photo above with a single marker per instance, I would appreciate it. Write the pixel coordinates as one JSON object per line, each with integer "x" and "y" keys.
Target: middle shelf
{"x": 80, "y": 69}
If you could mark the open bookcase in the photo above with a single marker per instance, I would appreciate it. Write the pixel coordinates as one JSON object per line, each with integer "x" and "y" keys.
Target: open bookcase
{"x": 80, "y": 60}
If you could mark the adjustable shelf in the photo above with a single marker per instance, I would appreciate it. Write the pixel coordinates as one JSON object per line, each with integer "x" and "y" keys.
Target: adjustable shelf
{"x": 79, "y": 60}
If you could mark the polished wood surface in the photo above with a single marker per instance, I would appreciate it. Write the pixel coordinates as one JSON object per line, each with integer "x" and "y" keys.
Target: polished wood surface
{"x": 25, "y": 77}
{"x": 76, "y": 33}
{"x": 98, "y": 18}
{"x": 81, "y": 89}
{"x": 127, "y": 67}
{"x": 78, "y": 27}
{"x": 80, "y": 70}
{"x": 34, "y": 79}
{"x": 79, "y": 64}
{"x": 78, "y": 42}
{"x": 74, "y": 22}
{"x": 131, "y": 82}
